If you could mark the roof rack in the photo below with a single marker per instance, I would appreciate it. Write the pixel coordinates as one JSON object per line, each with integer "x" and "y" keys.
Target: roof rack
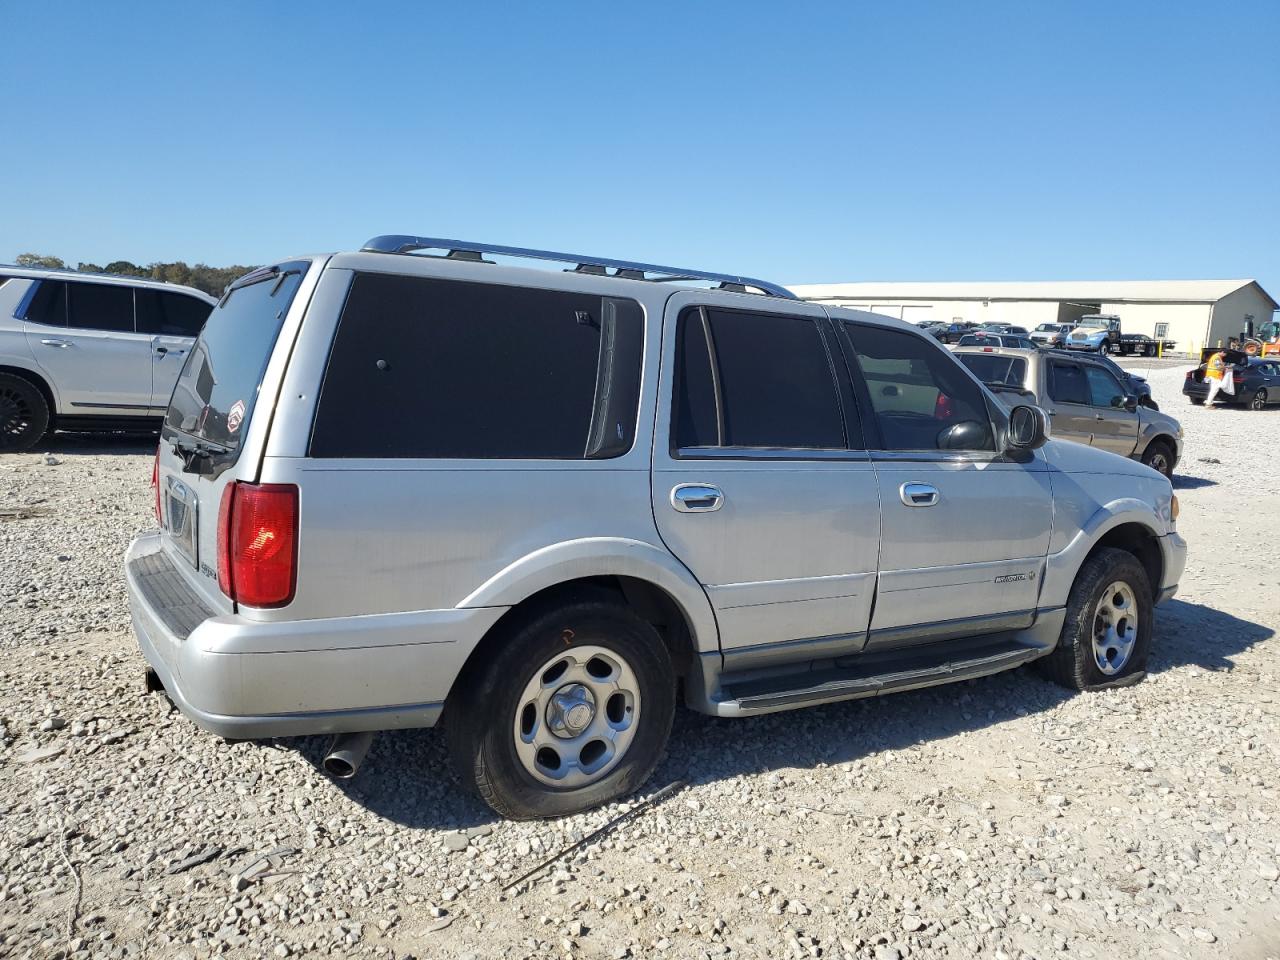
{"x": 626, "y": 269}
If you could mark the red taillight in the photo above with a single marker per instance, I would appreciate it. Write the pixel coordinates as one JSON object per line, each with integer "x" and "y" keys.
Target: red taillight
{"x": 1191, "y": 374}
{"x": 988, "y": 349}
{"x": 258, "y": 543}
{"x": 155, "y": 485}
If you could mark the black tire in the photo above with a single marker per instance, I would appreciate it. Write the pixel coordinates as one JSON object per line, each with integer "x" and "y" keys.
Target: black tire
{"x": 1104, "y": 348}
{"x": 1198, "y": 401}
{"x": 1073, "y": 664}
{"x": 482, "y": 711}
{"x": 24, "y": 414}
{"x": 1259, "y": 399}
{"x": 1159, "y": 456}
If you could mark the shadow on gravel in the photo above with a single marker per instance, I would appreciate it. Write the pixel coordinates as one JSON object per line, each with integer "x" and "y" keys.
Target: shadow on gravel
{"x": 1183, "y": 482}
{"x": 96, "y": 444}
{"x": 409, "y": 780}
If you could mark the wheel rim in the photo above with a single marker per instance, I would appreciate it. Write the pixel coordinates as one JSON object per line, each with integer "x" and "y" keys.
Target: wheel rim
{"x": 577, "y": 717}
{"x": 1259, "y": 400}
{"x": 16, "y": 416}
{"x": 1104, "y": 349}
{"x": 1159, "y": 462}
{"x": 1115, "y": 628}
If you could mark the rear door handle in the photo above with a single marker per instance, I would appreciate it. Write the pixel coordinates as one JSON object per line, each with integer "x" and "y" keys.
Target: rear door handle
{"x": 915, "y": 494}
{"x": 696, "y": 497}
{"x": 54, "y": 342}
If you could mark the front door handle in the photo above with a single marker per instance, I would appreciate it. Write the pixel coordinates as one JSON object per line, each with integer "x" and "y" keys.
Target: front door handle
{"x": 54, "y": 342}
{"x": 696, "y": 498}
{"x": 915, "y": 494}
{"x": 1098, "y": 416}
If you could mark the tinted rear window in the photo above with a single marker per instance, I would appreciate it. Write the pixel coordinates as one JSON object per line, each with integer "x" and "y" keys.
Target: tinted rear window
{"x": 426, "y": 368}
{"x": 994, "y": 368}
{"x": 219, "y": 383}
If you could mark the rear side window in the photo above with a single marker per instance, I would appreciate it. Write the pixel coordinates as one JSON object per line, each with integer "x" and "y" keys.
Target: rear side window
{"x": 995, "y": 368}
{"x": 48, "y": 305}
{"x": 426, "y": 368}
{"x": 1067, "y": 384}
{"x": 920, "y": 397}
{"x": 100, "y": 306}
{"x": 754, "y": 380}
{"x": 170, "y": 314}
{"x": 214, "y": 397}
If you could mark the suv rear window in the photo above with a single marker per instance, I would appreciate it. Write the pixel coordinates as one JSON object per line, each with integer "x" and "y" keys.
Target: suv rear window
{"x": 215, "y": 393}
{"x": 995, "y": 368}
{"x": 431, "y": 369}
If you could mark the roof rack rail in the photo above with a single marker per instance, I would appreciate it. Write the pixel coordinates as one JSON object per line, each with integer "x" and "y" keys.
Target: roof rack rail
{"x": 469, "y": 250}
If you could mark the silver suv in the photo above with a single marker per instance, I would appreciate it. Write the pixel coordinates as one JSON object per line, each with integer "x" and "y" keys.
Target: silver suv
{"x": 89, "y": 351}
{"x": 415, "y": 484}
{"x": 1087, "y": 401}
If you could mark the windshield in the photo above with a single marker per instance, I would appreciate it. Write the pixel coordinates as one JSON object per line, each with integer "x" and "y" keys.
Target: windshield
{"x": 1047, "y": 328}
{"x": 996, "y": 368}
{"x": 1093, "y": 323}
{"x": 215, "y": 393}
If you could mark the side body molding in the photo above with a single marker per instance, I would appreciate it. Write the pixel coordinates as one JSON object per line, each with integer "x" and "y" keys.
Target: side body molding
{"x": 602, "y": 557}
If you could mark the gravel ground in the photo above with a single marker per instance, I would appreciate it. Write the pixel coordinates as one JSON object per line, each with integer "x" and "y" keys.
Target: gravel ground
{"x": 997, "y": 818}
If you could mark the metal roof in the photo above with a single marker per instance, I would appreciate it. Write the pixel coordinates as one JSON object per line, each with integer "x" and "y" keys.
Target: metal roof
{"x": 1088, "y": 291}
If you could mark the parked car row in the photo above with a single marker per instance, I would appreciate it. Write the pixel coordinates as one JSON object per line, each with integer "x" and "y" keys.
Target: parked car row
{"x": 411, "y": 483}
{"x": 89, "y": 351}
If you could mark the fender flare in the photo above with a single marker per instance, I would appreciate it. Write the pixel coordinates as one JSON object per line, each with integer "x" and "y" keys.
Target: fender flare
{"x": 21, "y": 365}
{"x": 601, "y": 557}
{"x": 1061, "y": 567}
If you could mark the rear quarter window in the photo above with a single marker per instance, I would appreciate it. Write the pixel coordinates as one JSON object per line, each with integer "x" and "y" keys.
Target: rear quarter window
{"x": 422, "y": 368}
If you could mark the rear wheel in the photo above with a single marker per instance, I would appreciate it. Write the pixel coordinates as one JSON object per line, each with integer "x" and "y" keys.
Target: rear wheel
{"x": 1198, "y": 401}
{"x": 1106, "y": 637}
{"x": 24, "y": 414}
{"x": 572, "y": 711}
{"x": 1259, "y": 400}
{"x": 1159, "y": 456}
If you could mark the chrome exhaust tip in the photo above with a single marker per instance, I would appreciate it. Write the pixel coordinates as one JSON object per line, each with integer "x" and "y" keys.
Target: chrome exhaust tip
{"x": 346, "y": 753}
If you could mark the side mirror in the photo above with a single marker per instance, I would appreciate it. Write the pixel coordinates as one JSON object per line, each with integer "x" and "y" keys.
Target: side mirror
{"x": 1028, "y": 427}
{"x": 1130, "y": 402}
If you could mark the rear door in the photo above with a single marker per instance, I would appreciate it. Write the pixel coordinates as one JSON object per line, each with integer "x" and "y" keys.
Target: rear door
{"x": 965, "y": 530}
{"x": 83, "y": 335}
{"x": 1115, "y": 428}
{"x": 1068, "y": 389}
{"x": 761, "y": 483}
{"x": 173, "y": 321}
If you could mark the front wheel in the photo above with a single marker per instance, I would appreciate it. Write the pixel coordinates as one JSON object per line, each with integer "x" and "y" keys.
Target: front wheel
{"x": 1104, "y": 348}
{"x": 24, "y": 414}
{"x": 572, "y": 711}
{"x": 1106, "y": 636}
{"x": 1259, "y": 400}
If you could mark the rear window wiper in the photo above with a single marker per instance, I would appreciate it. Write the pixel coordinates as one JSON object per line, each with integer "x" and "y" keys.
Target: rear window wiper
{"x": 194, "y": 450}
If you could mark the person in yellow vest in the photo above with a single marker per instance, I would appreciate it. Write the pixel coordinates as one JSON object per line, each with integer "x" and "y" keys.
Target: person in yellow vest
{"x": 1217, "y": 374}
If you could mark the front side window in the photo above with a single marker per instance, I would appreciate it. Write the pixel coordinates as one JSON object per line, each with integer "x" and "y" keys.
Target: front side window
{"x": 754, "y": 380}
{"x": 48, "y": 305}
{"x": 100, "y": 306}
{"x": 1067, "y": 384}
{"x": 1104, "y": 389}
{"x": 919, "y": 396}
{"x": 426, "y": 368}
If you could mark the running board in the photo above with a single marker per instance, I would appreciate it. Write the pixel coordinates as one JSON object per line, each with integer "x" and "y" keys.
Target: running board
{"x": 873, "y": 674}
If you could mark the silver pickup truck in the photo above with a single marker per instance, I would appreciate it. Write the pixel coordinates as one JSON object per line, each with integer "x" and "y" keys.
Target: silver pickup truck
{"x": 1085, "y": 399}
{"x": 415, "y": 484}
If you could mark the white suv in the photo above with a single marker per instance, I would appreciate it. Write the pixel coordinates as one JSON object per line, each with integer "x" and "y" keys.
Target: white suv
{"x": 89, "y": 351}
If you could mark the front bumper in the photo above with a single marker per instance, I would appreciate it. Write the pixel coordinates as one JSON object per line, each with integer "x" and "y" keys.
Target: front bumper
{"x": 248, "y": 679}
{"x": 1173, "y": 551}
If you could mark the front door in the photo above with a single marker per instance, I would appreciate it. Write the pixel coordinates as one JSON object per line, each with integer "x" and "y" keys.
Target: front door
{"x": 83, "y": 335}
{"x": 762, "y": 486}
{"x": 1115, "y": 428}
{"x": 965, "y": 529}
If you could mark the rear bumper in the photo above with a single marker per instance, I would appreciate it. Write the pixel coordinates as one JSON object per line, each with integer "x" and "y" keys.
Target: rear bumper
{"x": 247, "y": 679}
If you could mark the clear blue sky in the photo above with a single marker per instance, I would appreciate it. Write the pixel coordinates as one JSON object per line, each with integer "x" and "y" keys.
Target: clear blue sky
{"x": 799, "y": 142}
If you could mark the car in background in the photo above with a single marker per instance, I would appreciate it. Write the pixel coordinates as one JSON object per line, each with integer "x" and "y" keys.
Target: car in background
{"x": 981, "y": 338}
{"x": 1086, "y": 402}
{"x": 89, "y": 351}
{"x": 1051, "y": 334}
{"x": 1256, "y": 381}
{"x": 996, "y": 327}
{"x": 952, "y": 332}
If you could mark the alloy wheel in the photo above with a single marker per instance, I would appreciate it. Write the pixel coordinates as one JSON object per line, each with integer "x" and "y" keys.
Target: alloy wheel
{"x": 1259, "y": 400}
{"x": 1115, "y": 628}
{"x": 16, "y": 416}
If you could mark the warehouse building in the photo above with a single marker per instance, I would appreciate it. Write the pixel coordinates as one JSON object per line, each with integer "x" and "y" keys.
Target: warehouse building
{"x": 1194, "y": 313}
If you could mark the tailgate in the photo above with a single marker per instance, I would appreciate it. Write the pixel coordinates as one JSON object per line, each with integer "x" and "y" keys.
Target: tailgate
{"x": 215, "y": 428}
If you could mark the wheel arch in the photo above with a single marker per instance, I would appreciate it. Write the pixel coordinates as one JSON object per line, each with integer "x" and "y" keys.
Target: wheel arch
{"x": 37, "y": 380}
{"x": 1131, "y": 526}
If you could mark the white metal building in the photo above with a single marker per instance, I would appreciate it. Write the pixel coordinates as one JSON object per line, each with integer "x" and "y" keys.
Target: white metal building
{"x": 1195, "y": 313}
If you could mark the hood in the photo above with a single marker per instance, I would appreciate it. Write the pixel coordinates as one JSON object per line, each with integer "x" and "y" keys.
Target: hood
{"x": 1071, "y": 457}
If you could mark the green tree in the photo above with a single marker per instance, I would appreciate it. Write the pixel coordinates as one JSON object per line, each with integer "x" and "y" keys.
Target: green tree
{"x": 39, "y": 260}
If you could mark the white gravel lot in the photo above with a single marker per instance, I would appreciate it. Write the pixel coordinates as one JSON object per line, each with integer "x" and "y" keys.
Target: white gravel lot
{"x": 998, "y": 818}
